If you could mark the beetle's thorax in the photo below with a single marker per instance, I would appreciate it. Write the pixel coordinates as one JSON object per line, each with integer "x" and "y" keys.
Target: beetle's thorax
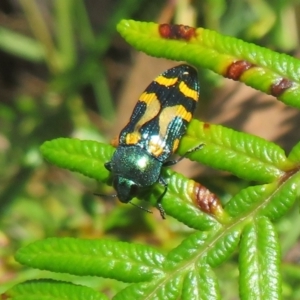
{"x": 135, "y": 164}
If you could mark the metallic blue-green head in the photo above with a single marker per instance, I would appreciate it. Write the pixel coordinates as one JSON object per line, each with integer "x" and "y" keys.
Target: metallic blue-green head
{"x": 132, "y": 168}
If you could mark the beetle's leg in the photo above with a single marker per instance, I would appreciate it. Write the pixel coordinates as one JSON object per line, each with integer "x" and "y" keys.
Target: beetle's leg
{"x": 159, "y": 205}
{"x": 175, "y": 161}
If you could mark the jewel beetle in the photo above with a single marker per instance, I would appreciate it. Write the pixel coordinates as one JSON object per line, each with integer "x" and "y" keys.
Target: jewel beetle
{"x": 152, "y": 135}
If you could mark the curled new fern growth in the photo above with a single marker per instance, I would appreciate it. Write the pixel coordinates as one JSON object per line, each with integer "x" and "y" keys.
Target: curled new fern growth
{"x": 188, "y": 271}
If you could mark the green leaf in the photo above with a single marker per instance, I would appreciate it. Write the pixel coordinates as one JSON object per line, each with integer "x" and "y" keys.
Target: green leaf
{"x": 168, "y": 288}
{"x": 225, "y": 244}
{"x": 178, "y": 201}
{"x": 187, "y": 249}
{"x": 250, "y": 157}
{"x": 118, "y": 260}
{"x": 188, "y": 275}
{"x": 200, "y": 284}
{"x": 271, "y": 200}
{"x": 283, "y": 197}
{"x": 249, "y": 199}
{"x": 209, "y": 287}
{"x": 88, "y": 158}
{"x": 294, "y": 155}
{"x": 85, "y": 157}
{"x": 242, "y": 154}
{"x": 191, "y": 288}
{"x": 260, "y": 276}
{"x": 216, "y": 246}
{"x": 268, "y": 71}
{"x": 47, "y": 289}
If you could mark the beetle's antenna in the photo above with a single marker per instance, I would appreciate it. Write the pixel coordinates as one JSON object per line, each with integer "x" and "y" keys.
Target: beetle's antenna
{"x": 115, "y": 195}
{"x": 140, "y": 207}
{"x": 161, "y": 210}
{"x": 102, "y": 195}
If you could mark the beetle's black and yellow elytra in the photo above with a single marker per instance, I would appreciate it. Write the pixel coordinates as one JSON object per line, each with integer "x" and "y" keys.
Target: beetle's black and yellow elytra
{"x": 152, "y": 135}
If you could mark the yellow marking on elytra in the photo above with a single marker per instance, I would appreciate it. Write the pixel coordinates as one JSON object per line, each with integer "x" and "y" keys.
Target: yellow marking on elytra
{"x": 168, "y": 114}
{"x": 157, "y": 143}
{"x": 162, "y": 80}
{"x": 188, "y": 92}
{"x": 132, "y": 138}
{"x": 152, "y": 110}
{"x": 156, "y": 146}
{"x": 175, "y": 145}
{"x": 148, "y": 98}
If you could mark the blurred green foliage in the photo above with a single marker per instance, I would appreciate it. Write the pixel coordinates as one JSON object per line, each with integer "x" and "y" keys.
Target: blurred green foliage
{"x": 55, "y": 61}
